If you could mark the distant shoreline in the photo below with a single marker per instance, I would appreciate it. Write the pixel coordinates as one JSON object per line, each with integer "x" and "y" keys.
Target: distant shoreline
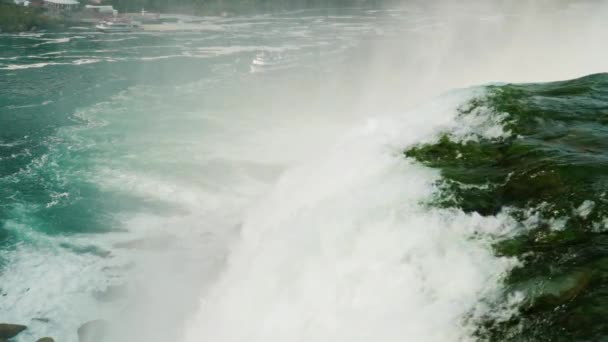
{"x": 15, "y": 18}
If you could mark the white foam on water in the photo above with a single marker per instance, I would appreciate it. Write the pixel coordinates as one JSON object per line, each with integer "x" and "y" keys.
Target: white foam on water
{"x": 156, "y": 58}
{"x": 230, "y": 50}
{"x": 81, "y": 61}
{"x": 53, "y": 53}
{"x": 86, "y": 61}
{"x": 28, "y": 66}
{"x": 112, "y": 40}
{"x": 56, "y": 41}
{"x": 66, "y": 272}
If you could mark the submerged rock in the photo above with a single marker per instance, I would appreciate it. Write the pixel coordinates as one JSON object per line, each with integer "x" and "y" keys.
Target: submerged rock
{"x": 150, "y": 243}
{"x": 10, "y": 330}
{"x": 41, "y": 319}
{"x": 88, "y": 249}
{"x": 93, "y": 331}
{"x": 46, "y": 339}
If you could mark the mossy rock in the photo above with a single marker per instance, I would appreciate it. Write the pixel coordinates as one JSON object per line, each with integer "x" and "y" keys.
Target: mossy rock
{"x": 46, "y": 339}
{"x": 551, "y": 176}
{"x": 559, "y": 291}
{"x": 10, "y": 330}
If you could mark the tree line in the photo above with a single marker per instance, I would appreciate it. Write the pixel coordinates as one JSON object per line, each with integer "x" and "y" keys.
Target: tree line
{"x": 235, "y": 6}
{"x": 14, "y": 18}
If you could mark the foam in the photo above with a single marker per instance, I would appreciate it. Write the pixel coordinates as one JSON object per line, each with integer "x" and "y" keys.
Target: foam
{"x": 81, "y": 61}
{"x": 57, "y": 41}
{"x": 60, "y": 297}
{"x": 28, "y": 66}
{"x": 344, "y": 250}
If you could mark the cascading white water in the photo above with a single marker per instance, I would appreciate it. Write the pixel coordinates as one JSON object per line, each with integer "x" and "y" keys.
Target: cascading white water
{"x": 344, "y": 249}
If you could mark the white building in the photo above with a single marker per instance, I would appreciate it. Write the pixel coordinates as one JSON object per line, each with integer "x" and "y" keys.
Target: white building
{"x": 61, "y": 5}
{"x": 102, "y": 10}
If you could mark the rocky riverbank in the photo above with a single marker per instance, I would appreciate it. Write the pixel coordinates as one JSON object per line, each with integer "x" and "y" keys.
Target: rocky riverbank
{"x": 93, "y": 331}
{"x": 15, "y": 18}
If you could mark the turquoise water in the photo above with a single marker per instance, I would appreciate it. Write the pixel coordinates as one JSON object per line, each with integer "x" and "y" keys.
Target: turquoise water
{"x": 108, "y": 139}
{"x": 171, "y": 185}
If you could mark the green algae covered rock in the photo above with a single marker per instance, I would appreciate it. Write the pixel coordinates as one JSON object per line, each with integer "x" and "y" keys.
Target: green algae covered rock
{"x": 548, "y": 171}
{"x": 46, "y": 339}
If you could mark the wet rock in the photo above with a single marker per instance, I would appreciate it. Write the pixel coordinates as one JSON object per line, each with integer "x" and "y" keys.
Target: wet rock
{"x": 10, "y": 330}
{"x": 559, "y": 291}
{"x": 46, "y": 339}
{"x": 88, "y": 249}
{"x": 93, "y": 331}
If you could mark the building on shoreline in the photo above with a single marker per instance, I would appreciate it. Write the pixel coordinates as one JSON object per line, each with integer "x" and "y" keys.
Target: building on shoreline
{"x": 61, "y": 6}
{"x": 100, "y": 11}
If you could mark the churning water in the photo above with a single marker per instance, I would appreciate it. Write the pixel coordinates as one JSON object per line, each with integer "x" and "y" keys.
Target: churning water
{"x": 360, "y": 186}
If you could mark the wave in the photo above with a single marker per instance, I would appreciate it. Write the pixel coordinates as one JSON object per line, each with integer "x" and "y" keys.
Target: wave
{"x": 113, "y": 39}
{"x": 82, "y": 61}
{"x": 28, "y": 66}
{"x": 32, "y": 105}
{"x": 55, "y": 41}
